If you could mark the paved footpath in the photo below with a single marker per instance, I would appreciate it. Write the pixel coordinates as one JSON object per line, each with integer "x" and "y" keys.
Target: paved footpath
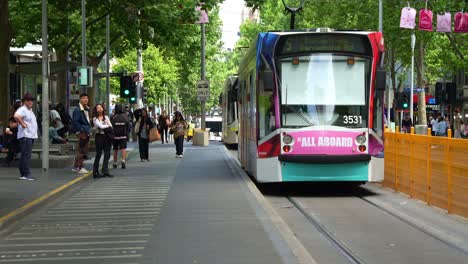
{"x": 190, "y": 210}
{"x": 19, "y": 197}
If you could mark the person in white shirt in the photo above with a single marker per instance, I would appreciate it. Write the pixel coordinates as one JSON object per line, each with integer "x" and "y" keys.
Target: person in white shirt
{"x": 27, "y": 133}
{"x": 102, "y": 140}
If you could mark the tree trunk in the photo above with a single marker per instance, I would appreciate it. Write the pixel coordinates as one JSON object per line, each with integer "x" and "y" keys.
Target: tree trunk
{"x": 393, "y": 76}
{"x": 61, "y": 95}
{"x": 422, "y": 120}
{"x": 6, "y": 34}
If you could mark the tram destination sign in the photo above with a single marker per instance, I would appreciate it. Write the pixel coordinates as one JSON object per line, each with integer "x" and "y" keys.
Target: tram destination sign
{"x": 203, "y": 90}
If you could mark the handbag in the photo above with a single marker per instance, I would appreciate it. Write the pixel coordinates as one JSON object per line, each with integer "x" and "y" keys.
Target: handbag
{"x": 408, "y": 16}
{"x": 154, "y": 135}
{"x": 425, "y": 20}
{"x": 109, "y": 132}
{"x": 461, "y": 22}
{"x": 444, "y": 22}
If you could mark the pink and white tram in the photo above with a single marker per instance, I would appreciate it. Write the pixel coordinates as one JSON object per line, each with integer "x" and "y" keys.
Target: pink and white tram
{"x": 311, "y": 106}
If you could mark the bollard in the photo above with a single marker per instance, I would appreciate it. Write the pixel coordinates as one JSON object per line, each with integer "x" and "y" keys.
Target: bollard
{"x": 449, "y": 133}
{"x": 412, "y": 130}
{"x": 429, "y": 131}
{"x": 397, "y": 129}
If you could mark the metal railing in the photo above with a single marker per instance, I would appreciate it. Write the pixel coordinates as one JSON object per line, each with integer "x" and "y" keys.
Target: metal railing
{"x": 428, "y": 168}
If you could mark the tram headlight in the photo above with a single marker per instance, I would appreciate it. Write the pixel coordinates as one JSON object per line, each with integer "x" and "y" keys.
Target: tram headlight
{"x": 361, "y": 139}
{"x": 362, "y": 148}
{"x": 287, "y": 139}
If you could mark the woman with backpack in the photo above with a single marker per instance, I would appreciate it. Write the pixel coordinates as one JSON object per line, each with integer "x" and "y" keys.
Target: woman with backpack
{"x": 103, "y": 141}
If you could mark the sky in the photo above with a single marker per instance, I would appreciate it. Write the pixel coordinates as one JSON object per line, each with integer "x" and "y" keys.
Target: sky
{"x": 230, "y": 14}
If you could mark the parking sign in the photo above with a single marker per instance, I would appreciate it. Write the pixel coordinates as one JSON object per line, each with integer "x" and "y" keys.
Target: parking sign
{"x": 203, "y": 90}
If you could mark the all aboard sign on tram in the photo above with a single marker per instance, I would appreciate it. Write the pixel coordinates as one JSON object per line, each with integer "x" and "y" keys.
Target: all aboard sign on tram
{"x": 324, "y": 142}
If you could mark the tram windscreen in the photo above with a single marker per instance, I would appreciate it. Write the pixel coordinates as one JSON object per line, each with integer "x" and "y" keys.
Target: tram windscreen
{"x": 324, "y": 89}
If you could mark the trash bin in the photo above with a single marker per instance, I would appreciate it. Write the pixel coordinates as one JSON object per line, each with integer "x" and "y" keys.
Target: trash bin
{"x": 420, "y": 129}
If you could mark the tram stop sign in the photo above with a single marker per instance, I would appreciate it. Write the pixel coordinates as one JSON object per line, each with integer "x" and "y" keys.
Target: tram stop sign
{"x": 203, "y": 90}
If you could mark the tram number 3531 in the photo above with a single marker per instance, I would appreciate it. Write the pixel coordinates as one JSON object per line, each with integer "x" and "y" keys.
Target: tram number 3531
{"x": 352, "y": 119}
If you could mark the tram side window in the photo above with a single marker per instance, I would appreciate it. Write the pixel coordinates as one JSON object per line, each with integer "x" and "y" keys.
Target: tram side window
{"x": 266, "y": 102}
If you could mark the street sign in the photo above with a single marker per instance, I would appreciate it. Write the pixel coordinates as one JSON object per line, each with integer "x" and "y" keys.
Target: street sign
{"x": 137, "y": 76}
{"x": 203, "y": 90}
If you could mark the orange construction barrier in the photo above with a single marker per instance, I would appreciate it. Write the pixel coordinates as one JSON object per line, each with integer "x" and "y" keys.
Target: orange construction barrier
{"x": 427, "y": 168}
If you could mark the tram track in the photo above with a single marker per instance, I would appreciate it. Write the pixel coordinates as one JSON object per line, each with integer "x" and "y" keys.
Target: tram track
{"x": 356, "y": 228}
{"x": 339, "y": 245}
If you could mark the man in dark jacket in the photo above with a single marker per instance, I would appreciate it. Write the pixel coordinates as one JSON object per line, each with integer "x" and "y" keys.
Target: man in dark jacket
{"x": 82, "y": 129}
{"x": 121, "y": 126}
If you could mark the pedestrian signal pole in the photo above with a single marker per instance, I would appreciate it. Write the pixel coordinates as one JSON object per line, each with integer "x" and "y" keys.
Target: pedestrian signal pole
{"x": 413, "y": 43}
{"x": 45, "y": 90}
{"x": 203, "y": 75}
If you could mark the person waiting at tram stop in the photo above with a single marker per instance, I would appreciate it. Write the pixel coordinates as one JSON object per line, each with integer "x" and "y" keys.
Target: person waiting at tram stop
{"x": 121, "y": 126}
{"x": 54, "y": 137}
{"x": 103, "y": 141}
{"x": 406, "y": 124}
{"x": 464, "y": 132}
{"x": 441, "y": 127}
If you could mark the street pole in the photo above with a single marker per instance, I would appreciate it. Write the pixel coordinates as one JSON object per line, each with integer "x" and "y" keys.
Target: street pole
{"x": 140, "y": 83}
{"x": 108, "y": 64}
{"x": 413, "y": 43}
{"x": 380, "y": 16}
{"x": 83, "y": 33}
{"x": 389, "y": 102}
{"x": 203, "y": 75}
{"x": 139, "y": 87}
{"x": 45, "y": 90}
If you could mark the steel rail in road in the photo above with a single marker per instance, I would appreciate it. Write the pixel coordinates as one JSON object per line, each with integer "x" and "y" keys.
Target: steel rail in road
{"x": 340, "y": 246}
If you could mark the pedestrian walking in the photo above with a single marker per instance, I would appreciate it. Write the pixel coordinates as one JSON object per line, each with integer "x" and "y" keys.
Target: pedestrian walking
{"x": 142, "y": 127}
{"x": 121, "y": 130}
{"x": 178, "y": 130}
{"x": 406, "y": 124}
{"x": 102, "y": 140}
{"x": 164, "y": 123}
{"x": 27, "y": 133}
{"x": 82, "y": 129}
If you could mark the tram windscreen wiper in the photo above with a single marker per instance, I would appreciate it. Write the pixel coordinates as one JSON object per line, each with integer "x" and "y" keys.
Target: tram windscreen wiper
{"x": 300, "y": 114}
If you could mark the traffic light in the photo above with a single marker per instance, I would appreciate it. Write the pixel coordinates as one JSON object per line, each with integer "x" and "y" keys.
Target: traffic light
{"x": 402, "y": 100}
{"x": 132, "y": 99}
{"x": 144, "y": 94}
{"x": 125, "y": 86}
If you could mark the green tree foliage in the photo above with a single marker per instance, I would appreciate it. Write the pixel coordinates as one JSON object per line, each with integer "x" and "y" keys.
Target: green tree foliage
{"x": 161, "y": 73}
{"x": 440, "y": 49}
